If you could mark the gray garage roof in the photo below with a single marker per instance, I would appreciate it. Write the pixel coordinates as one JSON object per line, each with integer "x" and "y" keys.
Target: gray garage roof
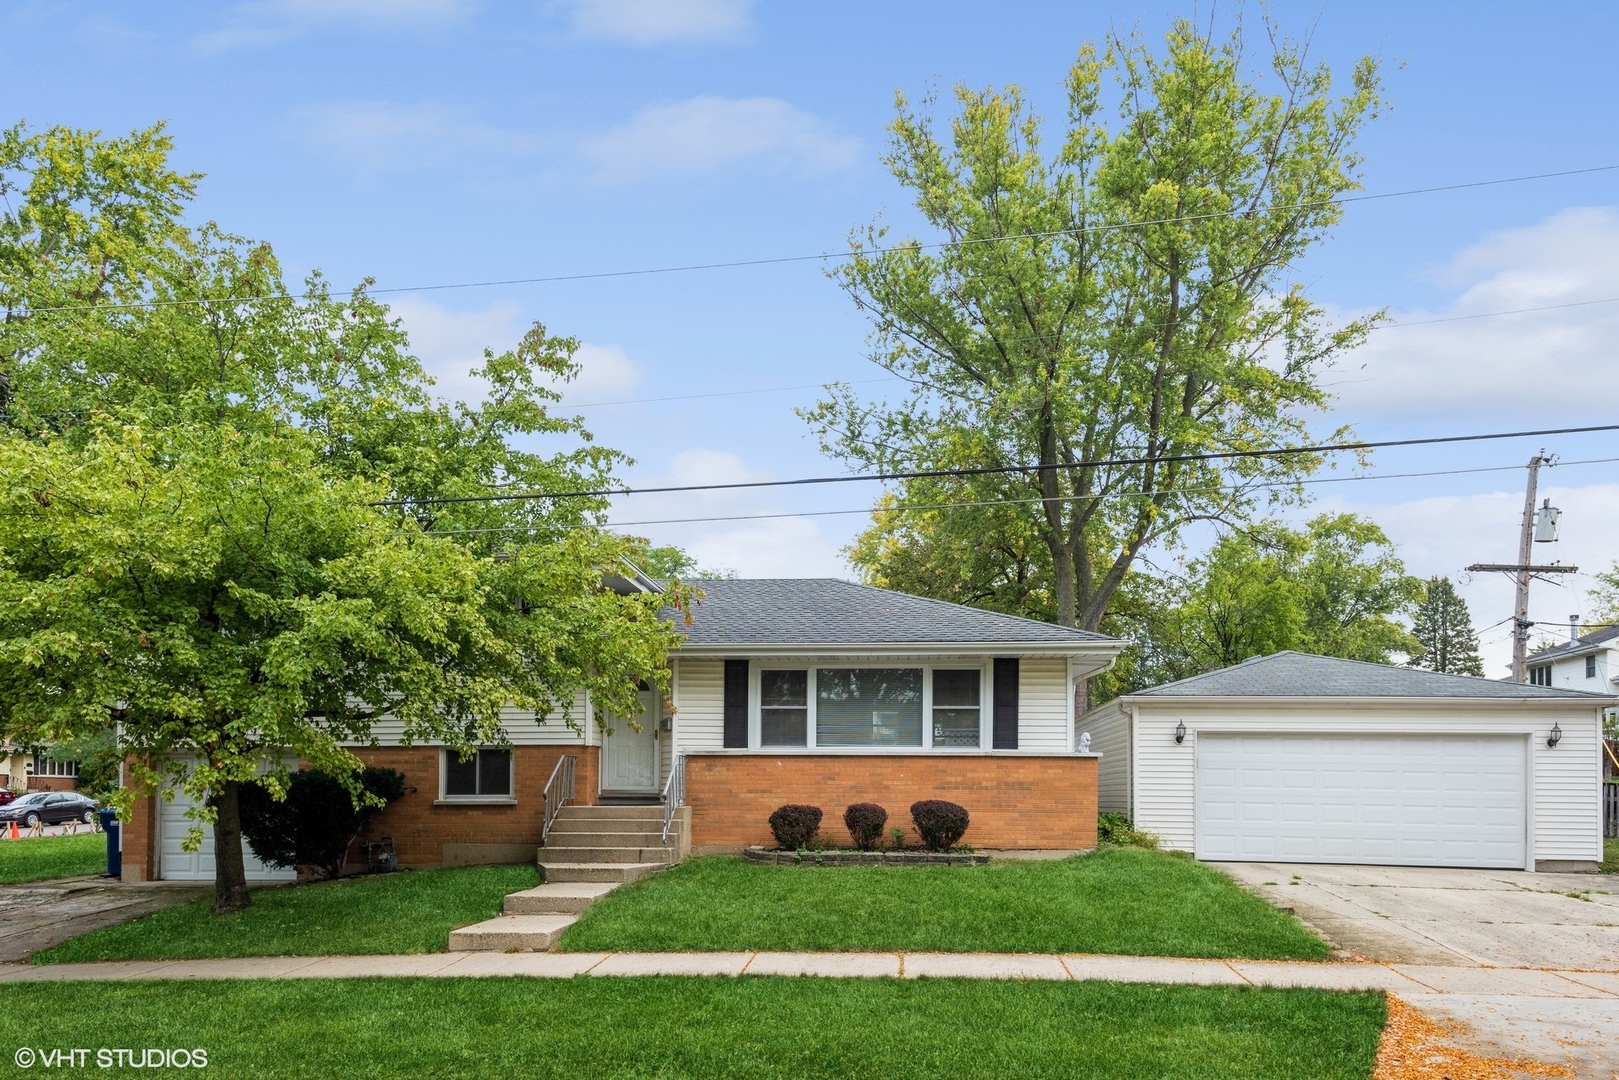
{"x": 826, "y": 611}
{"x": 1296, "y": 674}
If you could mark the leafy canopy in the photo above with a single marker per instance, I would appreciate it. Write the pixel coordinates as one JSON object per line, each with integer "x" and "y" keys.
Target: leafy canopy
{"x": 1333, "y": 588}
{"x": 1125, "y": 296}
{"x": 220, "y": 502}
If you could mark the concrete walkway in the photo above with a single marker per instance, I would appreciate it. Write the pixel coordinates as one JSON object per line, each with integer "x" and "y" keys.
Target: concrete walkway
{"x": 1403, "y": 979}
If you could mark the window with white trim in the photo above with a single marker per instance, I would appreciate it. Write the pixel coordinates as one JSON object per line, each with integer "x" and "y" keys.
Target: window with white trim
{"x": 873, "y": 707}
{"x": 1591, "y": 666}
{"x": 485, "y": 774}
{"x": 49, "y": 766}
{"x": 1540, "y": 676}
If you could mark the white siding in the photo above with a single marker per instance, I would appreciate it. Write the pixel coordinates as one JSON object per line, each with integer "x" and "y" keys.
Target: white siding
{"x": 1110, "y": 736}
{"x": 1044, "y": 705}
{"x": 521, "y": 727}
{"x": 1566, "y": 823}
{"x": 1568, "y": 778}
{"x": 700, "y": 699}
{"x": 1045, "y": 699}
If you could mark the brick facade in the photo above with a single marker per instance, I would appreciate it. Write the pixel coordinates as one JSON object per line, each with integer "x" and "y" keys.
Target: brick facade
{"x": 139, "y": 841}
{"x": 53, "y": 783}
{"x": 1015, "y": 801}
{"x": 425, "y": 834}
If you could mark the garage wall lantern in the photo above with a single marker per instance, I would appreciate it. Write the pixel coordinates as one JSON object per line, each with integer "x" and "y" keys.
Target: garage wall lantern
{"x": 1180, "y": 732}
{"x": 1556, "y": 736}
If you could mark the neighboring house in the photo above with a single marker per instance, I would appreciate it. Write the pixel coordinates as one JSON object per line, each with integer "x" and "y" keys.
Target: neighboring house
{"x": 786, "y": 690}
{"x": 1584, "y": 662}
{"x": 23, "y": 770}
{"x": 1300, "y": 758}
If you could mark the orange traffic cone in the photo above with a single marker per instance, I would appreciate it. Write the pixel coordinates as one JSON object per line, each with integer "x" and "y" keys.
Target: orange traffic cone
{"x": 15, "y": 835}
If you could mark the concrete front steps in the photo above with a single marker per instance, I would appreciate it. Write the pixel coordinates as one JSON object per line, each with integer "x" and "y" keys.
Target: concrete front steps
{"x": 591, "y": 851}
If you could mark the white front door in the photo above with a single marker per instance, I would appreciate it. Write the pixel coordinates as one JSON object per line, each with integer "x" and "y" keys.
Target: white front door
{"x": 1393, "y": 800}
{"x": 630, "y": 757}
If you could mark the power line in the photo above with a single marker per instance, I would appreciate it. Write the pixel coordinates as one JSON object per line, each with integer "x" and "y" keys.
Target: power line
{"x": 990, "y": 470}
{"x": 896, "y": 378}
{"x": 1011, "y": 502}
{"x": 825, "y": 256}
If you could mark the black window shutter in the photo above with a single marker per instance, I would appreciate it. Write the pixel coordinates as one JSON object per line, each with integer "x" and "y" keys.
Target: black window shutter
{"x": 1005, "y": 737}
{"x": 736, "y": 704}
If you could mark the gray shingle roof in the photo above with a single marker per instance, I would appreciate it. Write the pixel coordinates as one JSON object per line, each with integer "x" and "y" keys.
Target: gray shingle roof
{"x": 1295, "y": 674}
{"x": 1580, "y": 644}
{"x": 826, "y": 611}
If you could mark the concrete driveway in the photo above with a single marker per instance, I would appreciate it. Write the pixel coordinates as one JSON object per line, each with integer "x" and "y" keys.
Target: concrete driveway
{"x": 41, "y": 914}
{"x": 1475, "y": 919}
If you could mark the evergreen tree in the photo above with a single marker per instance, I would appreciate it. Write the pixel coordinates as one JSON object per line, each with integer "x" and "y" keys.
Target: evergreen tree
{"x": 1445, "y": 629}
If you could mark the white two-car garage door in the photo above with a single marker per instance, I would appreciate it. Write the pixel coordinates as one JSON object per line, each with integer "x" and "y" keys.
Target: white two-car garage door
{"x": 1398, "y": 800}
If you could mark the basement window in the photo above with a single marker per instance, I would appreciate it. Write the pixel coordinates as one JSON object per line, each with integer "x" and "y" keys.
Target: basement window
{"x": 485, "y": 776}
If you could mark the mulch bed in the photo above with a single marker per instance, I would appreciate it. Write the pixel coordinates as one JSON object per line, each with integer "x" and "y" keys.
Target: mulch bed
{"x": 863, "y": 858}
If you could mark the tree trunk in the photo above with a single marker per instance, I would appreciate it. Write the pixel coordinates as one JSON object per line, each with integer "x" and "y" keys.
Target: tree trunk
{"x": 230, "y": 873}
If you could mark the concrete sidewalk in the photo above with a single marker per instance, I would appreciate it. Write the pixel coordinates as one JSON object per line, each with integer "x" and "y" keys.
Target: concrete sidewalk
{"x": 1403, "y": 979}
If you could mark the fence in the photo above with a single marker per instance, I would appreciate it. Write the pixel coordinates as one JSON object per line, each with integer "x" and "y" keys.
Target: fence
{"x": 1610, "y": 810}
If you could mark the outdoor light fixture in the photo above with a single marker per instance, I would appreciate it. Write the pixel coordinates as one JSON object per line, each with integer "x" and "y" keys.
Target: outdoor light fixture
{"x": 1556, "y": 736}
{"x": 1180, "y": 732}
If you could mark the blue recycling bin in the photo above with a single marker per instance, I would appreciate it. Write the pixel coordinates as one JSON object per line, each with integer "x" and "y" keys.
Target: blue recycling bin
{"x": 115, "y": 852}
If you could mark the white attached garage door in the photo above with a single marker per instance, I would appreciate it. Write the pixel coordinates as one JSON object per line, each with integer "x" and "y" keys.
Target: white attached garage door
{"x": 1397, "y": 800}
{"x": 175, "y": 864}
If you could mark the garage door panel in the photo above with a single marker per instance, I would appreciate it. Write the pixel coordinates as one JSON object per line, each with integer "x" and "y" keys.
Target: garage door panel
{"x": 177, "y": 864}
{"x": 1390, "y": 799}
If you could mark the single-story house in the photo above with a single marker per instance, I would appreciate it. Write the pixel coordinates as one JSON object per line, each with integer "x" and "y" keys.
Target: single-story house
{"x": 1300, "y": 758}
{"x": 23, "y": 770}
{"x": 785, "y": 691}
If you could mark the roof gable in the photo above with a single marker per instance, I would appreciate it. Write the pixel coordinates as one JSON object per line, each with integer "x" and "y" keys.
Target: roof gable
{"x": 828, "y": 611}
{"x": 1296, "y": 674}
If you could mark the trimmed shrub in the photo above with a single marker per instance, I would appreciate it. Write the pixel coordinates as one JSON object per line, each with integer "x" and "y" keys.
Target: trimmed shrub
{"x": 317, "y": 821}
{"x": 795, "y": 825}
{"x": 939, "y": 823}
{"x": 865, "y": 821}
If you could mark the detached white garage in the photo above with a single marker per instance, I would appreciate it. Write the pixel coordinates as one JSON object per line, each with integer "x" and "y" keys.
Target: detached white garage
{"x": 1300, "y": 758}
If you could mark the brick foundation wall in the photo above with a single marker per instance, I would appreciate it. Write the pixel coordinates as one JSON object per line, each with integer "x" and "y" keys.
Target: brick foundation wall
{"x": 429, "y": 835}
{"x": 53, "y": 783}
{"x": 1015, "y": 801}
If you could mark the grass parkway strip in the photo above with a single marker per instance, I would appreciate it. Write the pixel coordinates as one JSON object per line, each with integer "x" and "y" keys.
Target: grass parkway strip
{"x": 763, "y": 1027}
{"x": 42, "y": 858}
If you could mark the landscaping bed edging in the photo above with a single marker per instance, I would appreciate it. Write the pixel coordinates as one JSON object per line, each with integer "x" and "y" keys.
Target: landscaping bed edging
{"x": 758, "y": 854}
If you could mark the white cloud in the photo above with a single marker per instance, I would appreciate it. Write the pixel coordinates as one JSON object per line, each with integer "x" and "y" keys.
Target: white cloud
{"x": 657, "y": 22}
{"x": 1547, "y": 364}
{"x": 274, "y": 21}
{"x": 1444, "y": 534}
{"x": 768, "y": 547}
{"x": 380, "y": 136}
{"x": 451, "y": 343}
{"x": 706, "y": 134}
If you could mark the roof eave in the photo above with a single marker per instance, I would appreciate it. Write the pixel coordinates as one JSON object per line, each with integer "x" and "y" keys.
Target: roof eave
{"x": 1105, "y": 649}
{"x": 1587, "y": 700}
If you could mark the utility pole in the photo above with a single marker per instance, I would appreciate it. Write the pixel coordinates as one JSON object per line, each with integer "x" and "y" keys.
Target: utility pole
{"x": 1538, "y": 526}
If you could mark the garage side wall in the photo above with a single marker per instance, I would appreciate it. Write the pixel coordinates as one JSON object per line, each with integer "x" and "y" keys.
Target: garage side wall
{"x": 1110, "y": 736}
{"x": 1568, "y": 797}
{"x": 1565, "y": 795}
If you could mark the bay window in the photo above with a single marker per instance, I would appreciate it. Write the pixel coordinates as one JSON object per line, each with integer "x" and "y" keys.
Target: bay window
{"x": 815, "y": 707}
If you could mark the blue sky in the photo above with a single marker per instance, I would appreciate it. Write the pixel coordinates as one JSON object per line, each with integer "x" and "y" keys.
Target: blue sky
{"x": 440, "y": 141}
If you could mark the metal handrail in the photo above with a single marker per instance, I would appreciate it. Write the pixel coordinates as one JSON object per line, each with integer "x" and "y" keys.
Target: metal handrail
{"x": 558, "y": 792}
{"x": 674, "y": 794}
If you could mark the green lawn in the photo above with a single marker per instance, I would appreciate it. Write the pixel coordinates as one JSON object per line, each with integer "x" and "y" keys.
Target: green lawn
{"x": 411, "y": 912}
{"x": 1610, "y": 857}
{"x": 41, "y": 858}
{"x": 747, "y": 1027}
{"x": 1118, "y": 900}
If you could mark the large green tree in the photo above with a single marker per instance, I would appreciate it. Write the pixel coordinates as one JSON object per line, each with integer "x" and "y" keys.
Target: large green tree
{"x": 1443, "y": 628}
{"x": 1334, "y": 587}
{"x": 1086, "y": 317}
{"x": 224, "y": 504}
